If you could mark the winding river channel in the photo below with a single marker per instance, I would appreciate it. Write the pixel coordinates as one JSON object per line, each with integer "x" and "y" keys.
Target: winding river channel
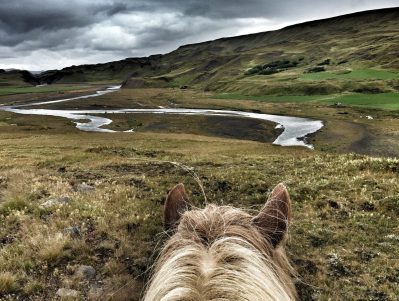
{"x": 295, "y": 129}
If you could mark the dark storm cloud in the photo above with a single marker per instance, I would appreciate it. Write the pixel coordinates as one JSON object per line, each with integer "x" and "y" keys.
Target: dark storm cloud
{"x": 17, "y": 18}
{"x": 54, "y": 33}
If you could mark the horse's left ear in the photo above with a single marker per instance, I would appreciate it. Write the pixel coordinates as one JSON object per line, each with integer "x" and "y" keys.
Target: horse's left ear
{"x": 175, "y": 205}
{"x": 274, "y": 218}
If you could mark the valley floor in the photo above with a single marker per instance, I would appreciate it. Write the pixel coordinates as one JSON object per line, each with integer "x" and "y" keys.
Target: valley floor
{"x": 343, "y": 241}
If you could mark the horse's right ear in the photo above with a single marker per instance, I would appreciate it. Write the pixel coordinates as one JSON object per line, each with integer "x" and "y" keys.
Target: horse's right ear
{"x": 175, "y": 205}
{"x": 274, "y": 218}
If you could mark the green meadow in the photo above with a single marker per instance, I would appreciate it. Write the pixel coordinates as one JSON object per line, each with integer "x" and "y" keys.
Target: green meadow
{"x": 385, "y": 101}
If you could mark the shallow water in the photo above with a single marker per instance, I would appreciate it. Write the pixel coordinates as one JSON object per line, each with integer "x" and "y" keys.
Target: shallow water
{"x": 295, "y": 129}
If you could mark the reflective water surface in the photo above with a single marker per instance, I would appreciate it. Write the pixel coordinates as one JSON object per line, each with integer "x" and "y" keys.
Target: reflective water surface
{"x": 294, "y": 128}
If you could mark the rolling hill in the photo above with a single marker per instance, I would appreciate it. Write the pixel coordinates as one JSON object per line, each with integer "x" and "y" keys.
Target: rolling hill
{"x": 357, "y": 52}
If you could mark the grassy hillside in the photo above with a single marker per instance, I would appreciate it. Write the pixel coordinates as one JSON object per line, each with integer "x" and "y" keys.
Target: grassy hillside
{"x": 15, "y": 79}
{"x": 358, "y": 52}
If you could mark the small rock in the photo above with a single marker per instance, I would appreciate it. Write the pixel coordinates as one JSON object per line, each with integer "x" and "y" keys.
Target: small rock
{"x": 83, "y": 188}
{"x": 86, "y": 271}
{"x": 55, "y": 201}
{"x": 392, "y": 236}
{"x": 73, "y": 231}
{"x": 67, "y": 293}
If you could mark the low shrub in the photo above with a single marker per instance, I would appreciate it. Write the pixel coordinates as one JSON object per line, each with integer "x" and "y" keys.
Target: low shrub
{"x": 315, "y": 69}
{"x": 325, "y": 62}
{"x": 272, "y": 68}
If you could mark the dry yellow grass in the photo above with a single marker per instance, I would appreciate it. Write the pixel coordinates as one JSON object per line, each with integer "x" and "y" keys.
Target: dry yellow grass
{"x": 340, "y": 201}
{"x": 8, "y": 283}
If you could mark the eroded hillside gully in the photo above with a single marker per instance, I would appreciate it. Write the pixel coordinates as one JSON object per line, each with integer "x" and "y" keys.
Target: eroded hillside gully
{"x": 295, "y": 129}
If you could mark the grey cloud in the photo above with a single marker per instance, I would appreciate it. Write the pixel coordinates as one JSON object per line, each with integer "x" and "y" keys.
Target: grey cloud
{"x": 27, "y": 15}
{"x": 228, "y": 9}
{"x": 19, "y": 18}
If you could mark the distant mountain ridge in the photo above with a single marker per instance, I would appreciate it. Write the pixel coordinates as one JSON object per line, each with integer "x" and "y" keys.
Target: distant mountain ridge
{"x": 362, "y": 40}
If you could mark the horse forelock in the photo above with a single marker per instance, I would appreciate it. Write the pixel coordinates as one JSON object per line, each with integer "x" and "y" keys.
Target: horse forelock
{"x": 218, "y": 254}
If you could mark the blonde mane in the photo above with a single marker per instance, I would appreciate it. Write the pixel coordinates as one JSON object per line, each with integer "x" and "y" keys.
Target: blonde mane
{"x": 218, "y": 253}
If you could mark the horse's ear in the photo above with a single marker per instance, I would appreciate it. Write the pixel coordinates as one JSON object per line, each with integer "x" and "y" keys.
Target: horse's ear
{"x": 275, "y": 216}
{"x": 175, "y": 205}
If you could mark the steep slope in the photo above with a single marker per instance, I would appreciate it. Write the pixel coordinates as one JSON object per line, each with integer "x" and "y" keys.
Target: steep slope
{"x": 353, "y": 42}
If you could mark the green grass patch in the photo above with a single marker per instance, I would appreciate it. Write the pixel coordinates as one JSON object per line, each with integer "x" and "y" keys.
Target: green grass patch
{"x": 355, "y": 74}
{"x": 386, "y": 101}
{"x": 272, "y": 98}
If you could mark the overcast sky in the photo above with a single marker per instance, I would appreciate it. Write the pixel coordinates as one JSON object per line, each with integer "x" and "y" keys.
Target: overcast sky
{"x": 51, "y": 34}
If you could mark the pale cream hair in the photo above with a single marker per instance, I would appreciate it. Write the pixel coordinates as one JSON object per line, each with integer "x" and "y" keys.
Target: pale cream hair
{"x": 220, "y": 254}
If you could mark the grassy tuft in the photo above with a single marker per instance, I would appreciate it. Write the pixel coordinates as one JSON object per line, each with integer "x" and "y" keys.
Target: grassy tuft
{"x": 8, "y": 283}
